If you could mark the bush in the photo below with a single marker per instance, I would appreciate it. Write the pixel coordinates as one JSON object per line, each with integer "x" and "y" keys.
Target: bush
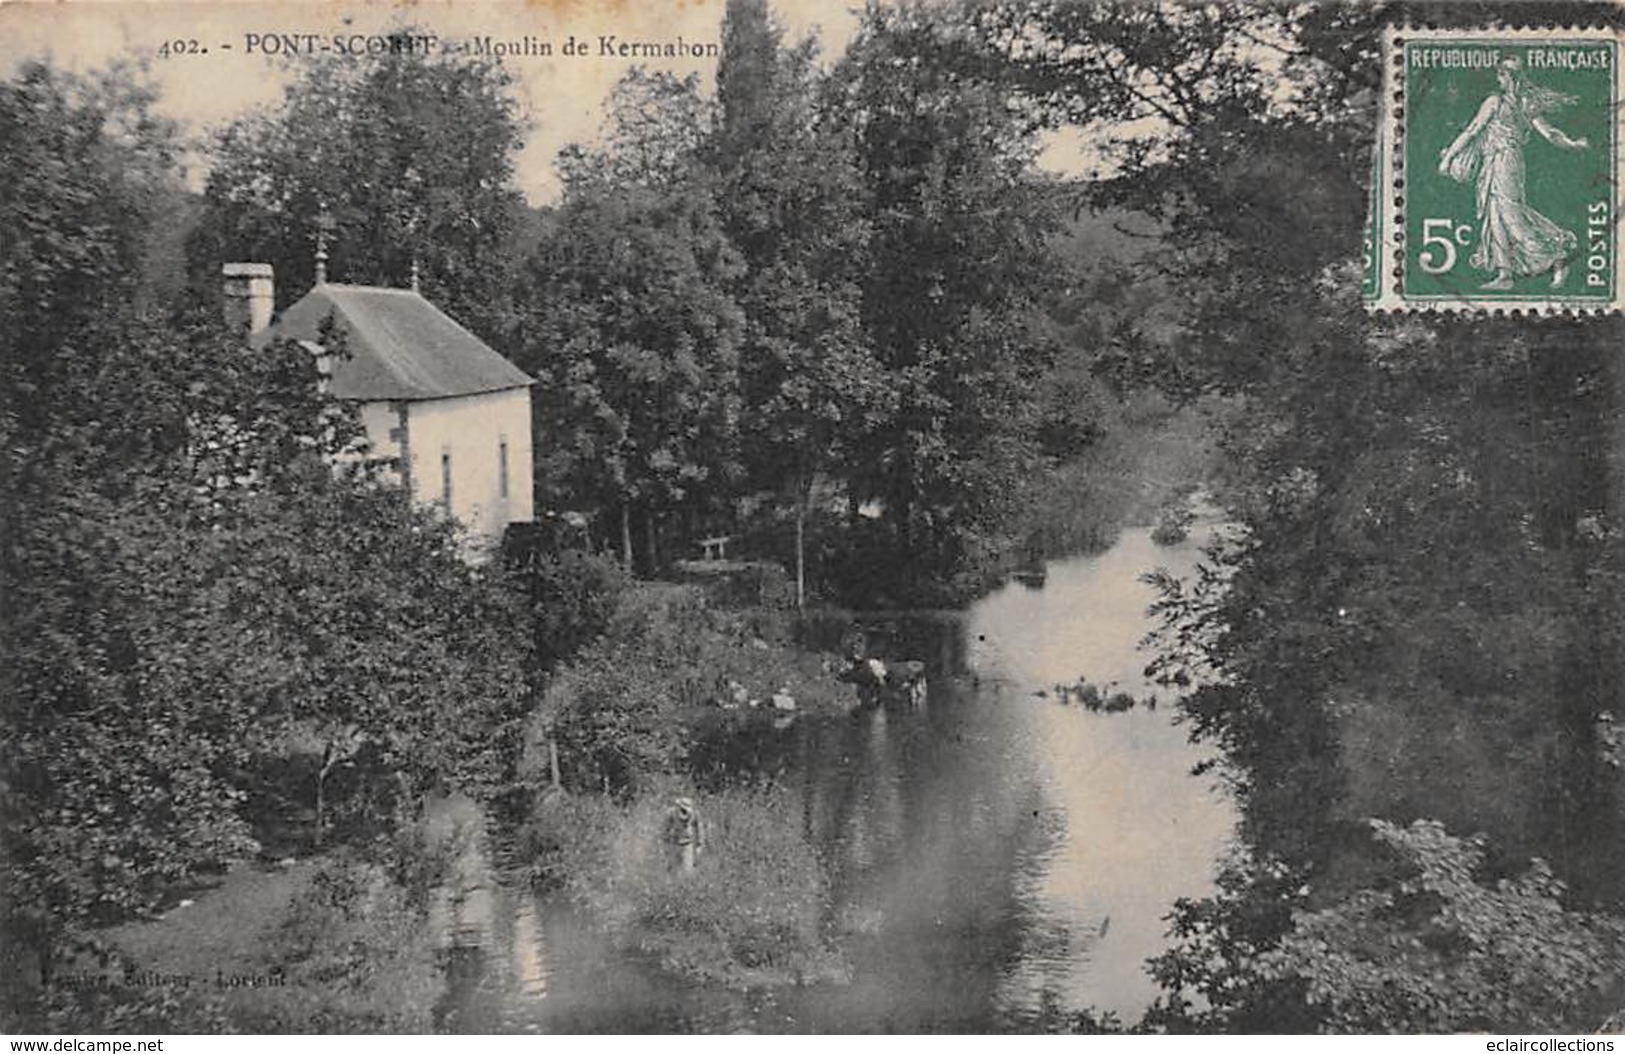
{"x": 1435, "y": 950}
{"x": 754, "y": 585}
{"x": 1173, "y": 525}
{"x": 625, "y": 711}
{"x": 868, "y": 566}
{"x": 748, "y": 914}
{"x": 564, "y": 836}
{"x": 360, "y": 954}
{"x": 1430, "y": 945}
{"x": 615, "y": 708}
{"x": 573, "y": 595}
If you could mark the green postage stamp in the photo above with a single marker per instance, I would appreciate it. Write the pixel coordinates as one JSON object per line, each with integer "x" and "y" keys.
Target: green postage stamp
{"x": 1496, "y": 177}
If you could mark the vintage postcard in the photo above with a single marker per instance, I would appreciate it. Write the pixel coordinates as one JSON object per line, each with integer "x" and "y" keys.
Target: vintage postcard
{"x": 798, "y": 516}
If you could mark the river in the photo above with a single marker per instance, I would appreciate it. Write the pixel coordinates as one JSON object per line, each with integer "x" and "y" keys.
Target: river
{"x": 1001, "y": 859}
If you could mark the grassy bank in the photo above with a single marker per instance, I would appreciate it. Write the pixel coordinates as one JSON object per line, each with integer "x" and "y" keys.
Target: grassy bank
{"x": 642, "y": 701}
{"x": 749, "y": 913}
{"x": 329, "y": 944}
{"x": 659, "y": 707}
{"x": 1150, "y": 459}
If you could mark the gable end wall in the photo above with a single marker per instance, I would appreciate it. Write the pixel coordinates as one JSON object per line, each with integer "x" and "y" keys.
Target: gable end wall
{"x": 471, "y": 430}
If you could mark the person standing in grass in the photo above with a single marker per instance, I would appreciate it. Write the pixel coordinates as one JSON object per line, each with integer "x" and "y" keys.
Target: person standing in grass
{"x": 684, "y": 835}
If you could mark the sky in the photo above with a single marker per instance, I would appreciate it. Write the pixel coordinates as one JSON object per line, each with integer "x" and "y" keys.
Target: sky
{"x": 227, "y": 72}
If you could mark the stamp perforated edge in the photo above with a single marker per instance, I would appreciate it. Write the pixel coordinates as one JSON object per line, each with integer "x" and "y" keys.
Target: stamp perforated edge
{"x": 1391, "y": 144}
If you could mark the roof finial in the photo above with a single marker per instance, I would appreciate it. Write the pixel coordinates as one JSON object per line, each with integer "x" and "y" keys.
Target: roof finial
{"x": 412, "y": 194}
{"x": 324, "y": 223}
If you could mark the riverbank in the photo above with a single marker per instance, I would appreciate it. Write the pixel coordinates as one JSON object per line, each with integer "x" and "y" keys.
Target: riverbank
{"x": 638, "y": 703}
{"x": 681, "y": 698}
{"x": 685, "y": 697}
{"x": 747, "y": 915}
{"x": 1151, "y": 459}
{"x": 995, "y": 861}
{"x": 1145, "y": 465}
{"x": 692, "y": 692}
{"x": 1146, "y": 456}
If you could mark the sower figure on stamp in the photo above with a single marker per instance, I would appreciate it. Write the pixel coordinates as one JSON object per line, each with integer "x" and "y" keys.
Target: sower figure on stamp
{"x": 683, "y": 835}
{"x": 1514, "y": 239}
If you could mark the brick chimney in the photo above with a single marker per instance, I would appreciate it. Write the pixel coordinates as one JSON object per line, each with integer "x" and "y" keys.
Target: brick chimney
{"x": 250, "y": 293}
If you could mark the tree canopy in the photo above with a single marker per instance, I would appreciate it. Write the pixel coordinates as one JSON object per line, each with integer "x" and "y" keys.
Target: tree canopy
{"x": 632, "y": 325}
{"x": 957, "y": 265}
{"x": 405, "y": 158}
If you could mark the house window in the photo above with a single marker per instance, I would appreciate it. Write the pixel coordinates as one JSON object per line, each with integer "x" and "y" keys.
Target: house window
{"x": 502, "y": 467}
{"x": 445, "y": 478}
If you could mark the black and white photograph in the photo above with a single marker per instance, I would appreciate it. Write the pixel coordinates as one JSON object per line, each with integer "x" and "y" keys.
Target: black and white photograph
{"x": 794, "y": 517}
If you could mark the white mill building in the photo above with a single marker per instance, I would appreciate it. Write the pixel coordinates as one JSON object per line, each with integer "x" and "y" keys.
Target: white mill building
{"x": 453, "y": 412}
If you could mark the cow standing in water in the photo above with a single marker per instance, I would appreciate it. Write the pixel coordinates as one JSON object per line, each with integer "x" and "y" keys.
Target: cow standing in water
{"x": 683, "y": 835}
{"x": 902, "y": 682}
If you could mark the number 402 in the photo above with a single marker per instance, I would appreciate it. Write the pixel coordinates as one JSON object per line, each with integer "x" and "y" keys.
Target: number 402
{"x": 1440, "y": 233}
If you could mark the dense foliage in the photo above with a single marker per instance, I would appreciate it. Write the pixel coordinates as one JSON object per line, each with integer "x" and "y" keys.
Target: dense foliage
{"x": 195, "y": 598}
{"x": 635, "y": 338}
{"x": 1433, "y": 944}
{"x": 958, "y": 264}
{"x": 1414, "y": 623}
{"x": 840, "y": 288}
{"x": 1438, "y": 949}
{"x": 572, "y": 597}
{"x": 792, "y": 198}
{"x": 821, "y": 278}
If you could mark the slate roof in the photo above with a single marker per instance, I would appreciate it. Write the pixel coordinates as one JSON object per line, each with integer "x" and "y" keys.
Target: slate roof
{"x": 401, "y": 346}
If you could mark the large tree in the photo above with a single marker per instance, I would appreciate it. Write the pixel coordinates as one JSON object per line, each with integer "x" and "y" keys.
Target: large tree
{"x": 87, "y": 166}
{"x": 792, "y": 203}
{"x": 957, "y": 265}
{"x": 631, "y": 322}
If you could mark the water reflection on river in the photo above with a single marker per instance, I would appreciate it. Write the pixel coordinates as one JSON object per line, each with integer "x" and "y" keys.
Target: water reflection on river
{"x": 996, "y": 858}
